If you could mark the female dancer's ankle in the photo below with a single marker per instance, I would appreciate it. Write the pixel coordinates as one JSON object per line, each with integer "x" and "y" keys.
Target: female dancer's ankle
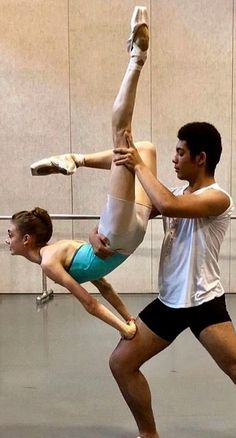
{"x": 79, "y": 159}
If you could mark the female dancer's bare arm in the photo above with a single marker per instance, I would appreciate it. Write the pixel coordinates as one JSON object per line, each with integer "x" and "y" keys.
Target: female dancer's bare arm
{"x": 56, "y": 272}
{"x": 113, "y": 298}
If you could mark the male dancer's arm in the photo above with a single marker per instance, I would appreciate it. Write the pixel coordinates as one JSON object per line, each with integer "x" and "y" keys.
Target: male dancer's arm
{"x": 100, "y": 244}
{"x": 209, "y": 203}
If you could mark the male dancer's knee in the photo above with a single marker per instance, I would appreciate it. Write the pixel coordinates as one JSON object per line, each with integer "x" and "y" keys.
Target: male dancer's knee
{"x": 114, "y": 364}
{"x": 228, "y": 366}
{"x": 118, "y": 365}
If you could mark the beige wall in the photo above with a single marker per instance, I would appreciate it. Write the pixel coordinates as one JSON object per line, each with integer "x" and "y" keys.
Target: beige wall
{"x": 61, "y": 65}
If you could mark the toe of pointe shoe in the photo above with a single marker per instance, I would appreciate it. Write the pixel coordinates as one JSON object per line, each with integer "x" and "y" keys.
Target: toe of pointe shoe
{"x": 42, "y": 167}
{"x": 139, "y": 18}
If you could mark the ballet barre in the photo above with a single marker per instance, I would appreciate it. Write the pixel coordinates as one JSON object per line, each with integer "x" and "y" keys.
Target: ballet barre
{"x": 80, "y": 217}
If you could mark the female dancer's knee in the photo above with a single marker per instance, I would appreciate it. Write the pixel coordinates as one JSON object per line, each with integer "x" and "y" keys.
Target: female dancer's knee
{"x": 121, "y": 120}
{"x": 146, "y": 146}
{"x": 119, "y": 136}
{"x": 147, "y": 151}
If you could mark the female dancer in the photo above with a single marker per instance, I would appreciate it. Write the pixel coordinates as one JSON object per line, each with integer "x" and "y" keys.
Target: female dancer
{"x": 123, "y": 219}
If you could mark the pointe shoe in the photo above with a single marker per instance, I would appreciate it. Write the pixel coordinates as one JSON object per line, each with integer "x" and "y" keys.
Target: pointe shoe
{"x": 139, "y": 18}
{"x": 53, "y": 165}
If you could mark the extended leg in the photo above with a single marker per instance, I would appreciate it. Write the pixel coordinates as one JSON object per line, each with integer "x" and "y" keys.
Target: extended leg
{"x": 103, "y": 160}
{"x": 122, "y": 110}
{"x": 122, "y": 220}
{"x": 122, "y": 180}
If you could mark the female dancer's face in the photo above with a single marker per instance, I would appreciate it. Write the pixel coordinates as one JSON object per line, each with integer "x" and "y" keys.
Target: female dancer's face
{"x": 15, "y": 240}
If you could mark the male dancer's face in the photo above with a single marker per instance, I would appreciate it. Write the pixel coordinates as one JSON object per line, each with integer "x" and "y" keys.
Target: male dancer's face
{"x": 185, "y": 166}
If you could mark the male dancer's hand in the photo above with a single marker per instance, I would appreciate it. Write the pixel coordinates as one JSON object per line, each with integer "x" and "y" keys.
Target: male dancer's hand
{"x": 127, "y": 156}
{"x": 100, "y": 244}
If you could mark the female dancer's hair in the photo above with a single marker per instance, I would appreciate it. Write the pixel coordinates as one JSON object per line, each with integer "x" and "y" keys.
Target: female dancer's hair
{"x": 36, "y": 222}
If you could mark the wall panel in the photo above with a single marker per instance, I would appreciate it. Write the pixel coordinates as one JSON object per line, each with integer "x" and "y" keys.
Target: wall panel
{"x": 192, "y": 81}
{"x": 34, "y": 116}
{"x": 61, "y": 65}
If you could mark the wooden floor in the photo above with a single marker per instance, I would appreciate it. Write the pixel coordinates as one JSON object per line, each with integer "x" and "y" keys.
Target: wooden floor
{"x": 55, "y": 379}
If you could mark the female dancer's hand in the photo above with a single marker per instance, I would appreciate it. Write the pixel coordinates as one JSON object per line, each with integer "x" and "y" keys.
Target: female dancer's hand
{"x": 100, "y": 244}
{"x": 130, "y": 330}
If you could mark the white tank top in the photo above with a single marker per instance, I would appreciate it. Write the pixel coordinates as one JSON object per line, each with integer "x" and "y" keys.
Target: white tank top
{"x": 189, "y": 273}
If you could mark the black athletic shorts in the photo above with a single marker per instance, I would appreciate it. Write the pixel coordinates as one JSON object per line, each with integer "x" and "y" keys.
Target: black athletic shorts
{"x": 168, "y": 322}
